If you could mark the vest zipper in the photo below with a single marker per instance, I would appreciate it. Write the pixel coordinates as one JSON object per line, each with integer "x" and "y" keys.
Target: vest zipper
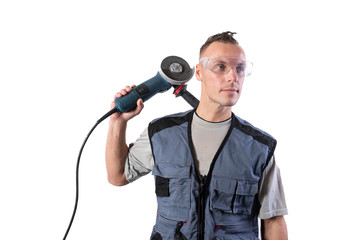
{"x": 204, "y": 180}
{"x": 201, "y": 213}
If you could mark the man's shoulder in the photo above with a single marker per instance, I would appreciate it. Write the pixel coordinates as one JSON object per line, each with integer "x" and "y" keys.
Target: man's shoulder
{"x": 172, "y": 116}
{"x": 257, "y": 133}
{"x": 244, "y": 125}
{"x": 167, "y": 121}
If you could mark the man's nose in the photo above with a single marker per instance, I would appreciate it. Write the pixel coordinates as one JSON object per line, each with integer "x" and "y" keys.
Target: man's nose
{"x": 231, "y": 75}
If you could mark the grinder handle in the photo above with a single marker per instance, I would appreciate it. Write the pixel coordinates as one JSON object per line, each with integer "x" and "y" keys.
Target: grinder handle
{"x": 193, "y": 101}
{"x": 144, "y": 91}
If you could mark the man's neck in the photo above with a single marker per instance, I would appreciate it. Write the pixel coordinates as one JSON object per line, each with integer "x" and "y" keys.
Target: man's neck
{"x": 212, "y": 113}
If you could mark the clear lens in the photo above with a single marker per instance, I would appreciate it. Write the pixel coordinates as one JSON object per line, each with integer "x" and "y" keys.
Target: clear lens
{"x": 222, "y": 65}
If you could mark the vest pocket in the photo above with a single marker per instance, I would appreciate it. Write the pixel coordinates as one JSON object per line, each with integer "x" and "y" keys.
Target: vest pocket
{"x": 173, "y": 197}
{"x": 172, "y": 184}
{"x": 169, "y": 229}
{"x": 232, "y": 195}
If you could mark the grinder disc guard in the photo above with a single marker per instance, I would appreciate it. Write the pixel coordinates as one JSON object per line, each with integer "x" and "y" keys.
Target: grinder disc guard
{"x": 176, "y": 70}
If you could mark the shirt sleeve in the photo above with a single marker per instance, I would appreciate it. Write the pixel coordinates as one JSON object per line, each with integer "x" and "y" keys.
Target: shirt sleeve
{"x": 139, "y": 160}
{"x": 271, "y": 192}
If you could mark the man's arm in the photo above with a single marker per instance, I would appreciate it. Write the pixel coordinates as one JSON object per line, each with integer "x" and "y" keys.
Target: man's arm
{"x": 274, "y": 229}
{"x": 116, "y": 148}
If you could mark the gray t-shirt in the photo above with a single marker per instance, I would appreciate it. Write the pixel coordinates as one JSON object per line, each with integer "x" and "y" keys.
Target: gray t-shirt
{"x": 140, "y": 162}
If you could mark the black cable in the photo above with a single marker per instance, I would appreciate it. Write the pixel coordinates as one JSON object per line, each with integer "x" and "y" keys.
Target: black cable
{"x": 112, "y": 111}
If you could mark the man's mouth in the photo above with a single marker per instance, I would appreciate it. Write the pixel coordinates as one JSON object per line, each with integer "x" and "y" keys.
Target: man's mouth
{"x": 230, "y": 90}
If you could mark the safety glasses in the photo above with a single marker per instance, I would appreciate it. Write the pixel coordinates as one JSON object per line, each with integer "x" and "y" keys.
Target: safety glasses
{"x": 222, "y": 65}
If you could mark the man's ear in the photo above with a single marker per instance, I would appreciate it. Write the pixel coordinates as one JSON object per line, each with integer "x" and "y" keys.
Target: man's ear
{"x": 198, "y": 72}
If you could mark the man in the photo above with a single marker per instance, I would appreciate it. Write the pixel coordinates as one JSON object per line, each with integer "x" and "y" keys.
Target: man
{"x": 215, "y": 174}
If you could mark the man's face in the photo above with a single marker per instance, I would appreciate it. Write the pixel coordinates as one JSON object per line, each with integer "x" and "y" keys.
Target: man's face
{"x": 220, "y": 89}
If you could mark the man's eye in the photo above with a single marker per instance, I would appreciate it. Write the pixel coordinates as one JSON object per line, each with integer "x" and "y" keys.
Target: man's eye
{"x": 240, "y": 68}
{"x": 220, "y": 67}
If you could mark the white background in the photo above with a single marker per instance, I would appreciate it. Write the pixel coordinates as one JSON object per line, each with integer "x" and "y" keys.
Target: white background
{"x": 61, "y": 63}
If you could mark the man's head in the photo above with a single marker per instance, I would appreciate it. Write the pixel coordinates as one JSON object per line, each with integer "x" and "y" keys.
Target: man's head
{"x": 221, "y": 70}
{"x": 225, "y": 37}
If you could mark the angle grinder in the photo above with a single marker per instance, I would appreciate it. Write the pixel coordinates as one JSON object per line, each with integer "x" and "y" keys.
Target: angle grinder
{"x": 174, "y": 72}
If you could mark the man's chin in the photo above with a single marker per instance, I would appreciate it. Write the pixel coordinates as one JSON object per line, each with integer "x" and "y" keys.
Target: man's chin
{"x": 229, "y": 104}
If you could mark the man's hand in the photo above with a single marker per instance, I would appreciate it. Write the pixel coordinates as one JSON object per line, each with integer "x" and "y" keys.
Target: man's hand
{"x": 126, "y": 116}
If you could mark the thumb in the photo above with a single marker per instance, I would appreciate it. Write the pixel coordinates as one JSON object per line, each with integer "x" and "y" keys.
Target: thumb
{"x": 140, "y": 106}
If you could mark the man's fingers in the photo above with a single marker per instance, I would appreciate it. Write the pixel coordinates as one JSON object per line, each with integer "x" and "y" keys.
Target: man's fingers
{"x": 112, "y": 104}
{"x": 124, "y": 91}
{"x": 118, "y": 94}
{"x": 128, "y": 88}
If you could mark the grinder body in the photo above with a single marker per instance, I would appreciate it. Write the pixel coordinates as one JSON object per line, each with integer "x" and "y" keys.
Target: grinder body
{"x": 144, "y": 91}
{"x": 173, "y": 71}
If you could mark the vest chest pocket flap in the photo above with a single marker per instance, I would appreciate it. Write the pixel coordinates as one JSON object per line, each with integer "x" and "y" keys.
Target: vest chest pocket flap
{"x": 234, "y": 196}
{"x": 172, "y": 184}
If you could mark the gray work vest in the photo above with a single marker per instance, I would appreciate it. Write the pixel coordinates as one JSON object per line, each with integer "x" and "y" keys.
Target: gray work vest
{"x": 222, "y": 205}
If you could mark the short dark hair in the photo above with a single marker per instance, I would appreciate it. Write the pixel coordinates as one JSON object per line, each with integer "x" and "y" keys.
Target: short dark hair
{"x": 224, "y": 37}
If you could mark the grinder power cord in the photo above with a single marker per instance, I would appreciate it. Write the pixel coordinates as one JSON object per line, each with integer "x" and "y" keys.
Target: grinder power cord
{"x": 174, "y": 72}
